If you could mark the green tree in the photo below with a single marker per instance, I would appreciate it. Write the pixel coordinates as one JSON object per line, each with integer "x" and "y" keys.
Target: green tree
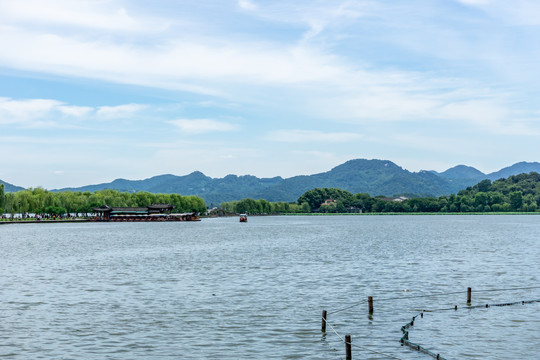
{"x": 318, "y": 196}
{"x": 529, "y": 204}
{"x": 54, "y": 210}
{"x": 9, "y": 203}
{"x": 363, "y": 201}
{"x": 264, "y": 206}
{"x": 330, "y": 208}
{"x": 495, "y": 198}
{"x": 481, "y": 198}
{"x": 516, "y": 200}
{"x": 304, "y": 207}
{"x": 484, "y": 185}
{"x": 2, "y": 198}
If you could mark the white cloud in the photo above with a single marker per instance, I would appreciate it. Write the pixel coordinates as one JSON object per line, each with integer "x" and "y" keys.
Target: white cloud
{"x": 200, "y": 64}
{"x": 100, "y": 15}
{"x": 313, "y": 17}
{"x": 119, "y": 111}
{"x": 332, "y": 85}
{"x": 199, "y": 126}
{"x": 247, "y": 5}
{"x": 75, "y": 111}
{"x": 475, "y": 2}
{"x": 313, "y": 136}
{"x": 26, "y": 113}
{"x": 50, "y": 113}
{"x": 58, "y": 140}
{"x": 515, "y": 12}
{"x": 413, "y": 70}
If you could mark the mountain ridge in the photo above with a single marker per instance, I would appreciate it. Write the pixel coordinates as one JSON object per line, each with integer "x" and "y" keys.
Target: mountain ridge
{"x": 371, "y": 176}
{"x": 462, "y": 172}
{"x": 10, "y": 187}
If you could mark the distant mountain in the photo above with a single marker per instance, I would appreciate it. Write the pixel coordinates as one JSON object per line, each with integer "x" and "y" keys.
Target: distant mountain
{"x": 375, "y": 177}
{"x": 10, "y": 188}
{"x": 462, "y": 172}
{"x": 461, "y": 176}
{"x": 519, "y": 168}
{"x": 157, "y": 184}
{"x": 213, "y": 191}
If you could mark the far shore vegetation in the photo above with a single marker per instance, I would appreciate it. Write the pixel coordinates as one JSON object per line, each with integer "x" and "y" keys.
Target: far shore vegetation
{"x": 516, "y": 194}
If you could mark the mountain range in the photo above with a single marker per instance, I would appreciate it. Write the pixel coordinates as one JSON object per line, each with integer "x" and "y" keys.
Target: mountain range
{"x": 10, "y": 187}
{"x": 375, "y": 177}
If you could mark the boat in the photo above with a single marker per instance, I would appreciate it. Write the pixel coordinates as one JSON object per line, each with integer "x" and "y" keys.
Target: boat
{"x": 243, "y": 218}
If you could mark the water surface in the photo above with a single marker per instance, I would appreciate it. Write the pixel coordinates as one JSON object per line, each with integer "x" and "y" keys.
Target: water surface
{"x": 219, "y": 289}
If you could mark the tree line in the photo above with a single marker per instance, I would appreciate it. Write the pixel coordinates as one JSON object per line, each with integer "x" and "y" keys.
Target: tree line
{"x": 262, "y": 206}
{"x": 518, "y": 193}
{"x": 41, "y": 201}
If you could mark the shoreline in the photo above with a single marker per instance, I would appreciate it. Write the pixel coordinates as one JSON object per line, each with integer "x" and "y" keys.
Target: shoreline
{"x": 6, "y": 222}
{"x": 412, "y": 213}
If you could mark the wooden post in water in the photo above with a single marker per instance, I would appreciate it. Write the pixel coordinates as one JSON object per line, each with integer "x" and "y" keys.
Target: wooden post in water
{"x": 323, "y": 326}
{"x": 348, "y": 352}
{"x": 469, "y": 295}
{"x": 370, "y": 303}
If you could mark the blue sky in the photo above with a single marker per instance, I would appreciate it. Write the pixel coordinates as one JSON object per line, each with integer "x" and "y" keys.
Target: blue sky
{"x": 95, "y": 90}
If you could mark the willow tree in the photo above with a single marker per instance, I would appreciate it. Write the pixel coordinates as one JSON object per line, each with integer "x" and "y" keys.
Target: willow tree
{"x": 2, "y": 198}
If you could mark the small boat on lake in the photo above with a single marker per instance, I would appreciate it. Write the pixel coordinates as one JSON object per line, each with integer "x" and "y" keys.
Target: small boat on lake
{"x": 243, "y": 218}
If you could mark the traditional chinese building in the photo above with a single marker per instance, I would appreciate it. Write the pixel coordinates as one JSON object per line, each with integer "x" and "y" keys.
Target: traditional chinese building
{"x": 154, "y": 212}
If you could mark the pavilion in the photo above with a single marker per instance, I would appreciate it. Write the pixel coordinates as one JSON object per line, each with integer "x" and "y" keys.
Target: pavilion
{"x": 148, "y": 213}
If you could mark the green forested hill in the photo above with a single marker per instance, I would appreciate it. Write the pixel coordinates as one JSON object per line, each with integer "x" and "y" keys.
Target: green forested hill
{"x": 518, "y": 168}
{"x": 10, "y": 188}
{"x": 462, "y": 172}
{"x": 517, "y": 192}
{"x": 383, "y": 177}
{"x": 213, "y": 191}
{"x": 374, "y": 177}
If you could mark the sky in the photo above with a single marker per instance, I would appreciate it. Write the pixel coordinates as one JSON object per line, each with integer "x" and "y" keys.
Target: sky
{"x": 95, "y": 90}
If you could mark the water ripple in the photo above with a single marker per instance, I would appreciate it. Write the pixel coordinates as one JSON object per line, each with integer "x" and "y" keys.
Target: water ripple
{"x": 219, "y": 289}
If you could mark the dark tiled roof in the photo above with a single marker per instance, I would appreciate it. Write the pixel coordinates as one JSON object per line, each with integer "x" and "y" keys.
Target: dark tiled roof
{"x": 102, "y": 208}
{"x": 160, "y": 206}
{"x": 151, "y": 208}
{"x": 129, "y": 209}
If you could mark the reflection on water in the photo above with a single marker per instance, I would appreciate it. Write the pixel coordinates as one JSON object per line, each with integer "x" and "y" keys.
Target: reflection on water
{"x": 220, "y": 289}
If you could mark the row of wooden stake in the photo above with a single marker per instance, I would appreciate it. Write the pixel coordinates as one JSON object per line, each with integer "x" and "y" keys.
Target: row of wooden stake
{"x": 348, "y": 352}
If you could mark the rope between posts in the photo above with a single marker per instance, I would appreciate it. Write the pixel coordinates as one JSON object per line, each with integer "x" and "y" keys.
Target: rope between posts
{"x": 405, "y": 338}
{"x": 509, "y": 289}
{"x": 347, "y": 308}
{"x": 432, "y": 295}
{"x": 373, "y": 351}
{"x": 482, "y": 306}
{"x": 335, "y": 332}
{"x": 358, "y": 346}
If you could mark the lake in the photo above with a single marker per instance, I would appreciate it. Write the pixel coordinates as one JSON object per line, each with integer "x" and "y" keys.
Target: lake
{"x": 221, "y": 289}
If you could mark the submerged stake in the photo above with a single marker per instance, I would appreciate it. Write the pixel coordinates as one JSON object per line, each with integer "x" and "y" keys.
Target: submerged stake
{"x": 348, "y": 352}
